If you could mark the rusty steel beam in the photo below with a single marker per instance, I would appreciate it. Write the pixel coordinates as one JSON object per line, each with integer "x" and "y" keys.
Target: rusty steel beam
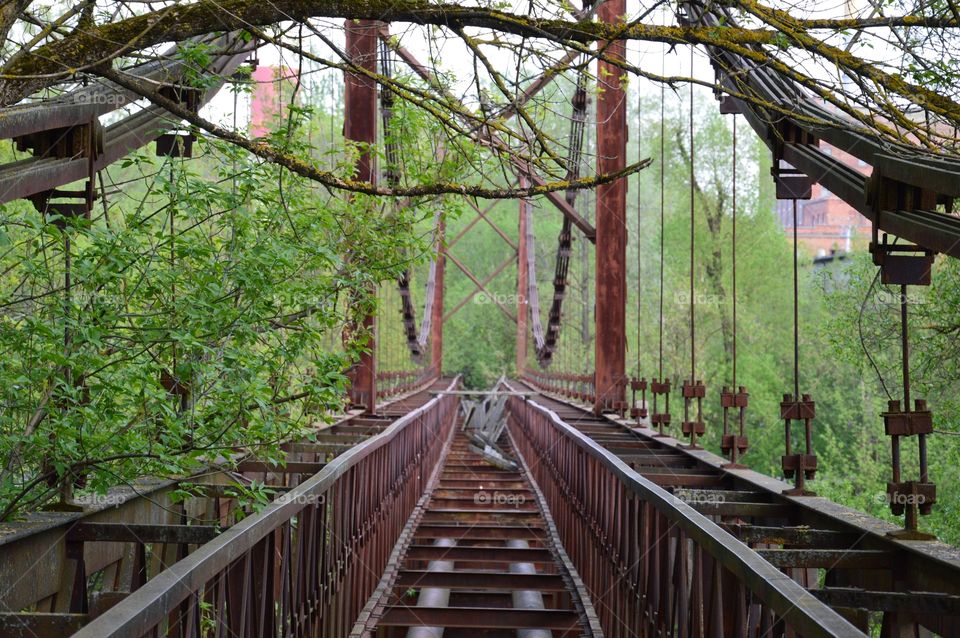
{"x": 486, "y": 580}
{"x": 523, "y": 273}
{"x": 482, "y": 214}
{"x": 141, "y": 533}
{"x": 360, "y": 125}
{"x": 290, "y": 467}
{"x": 897, "y": 168}
{"x": 493, "y": 140}
{"x": 34, "y": 175}
{"x": 481, "y": 286}
{"x": 439, "y": 297}
{"x": 913, "y": 602}
{"x": 611, "y": 246}
{"x": 479, "y": 617}
{"x": 482, "y": 554}
{"x": 39, "y": 625}
{"x": 828, "y": 558}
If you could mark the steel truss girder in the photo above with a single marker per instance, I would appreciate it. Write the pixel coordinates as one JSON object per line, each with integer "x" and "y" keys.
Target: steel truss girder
{"x": 896, "y": 167}
{"x": 523, "y": 169}
{"x": 37, "y": 174}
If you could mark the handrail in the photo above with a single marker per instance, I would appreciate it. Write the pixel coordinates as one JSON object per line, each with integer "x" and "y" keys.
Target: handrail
{"x": 290, "y": 564}
{"x": 393, "y": 382}
{"x": 579, "y": 387}
{"x": 624, "y": 534}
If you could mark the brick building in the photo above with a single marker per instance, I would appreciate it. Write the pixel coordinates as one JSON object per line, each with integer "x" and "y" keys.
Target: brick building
{"x": 272, "y": 90}
{"x": 825, "y": 223}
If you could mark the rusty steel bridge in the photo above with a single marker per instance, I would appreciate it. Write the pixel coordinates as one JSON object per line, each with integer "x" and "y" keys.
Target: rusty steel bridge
{"x": 604, "y": 516}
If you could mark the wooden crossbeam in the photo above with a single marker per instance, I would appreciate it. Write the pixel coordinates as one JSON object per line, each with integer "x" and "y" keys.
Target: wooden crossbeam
{"x": 291, "y": 467}
{"x": 40, "y": 625}
{"x": 142, "y": 533}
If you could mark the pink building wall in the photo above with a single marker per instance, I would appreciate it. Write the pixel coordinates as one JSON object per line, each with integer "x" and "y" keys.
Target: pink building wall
{"x": 271, "y": 93}
{"x": 826, "y": 223}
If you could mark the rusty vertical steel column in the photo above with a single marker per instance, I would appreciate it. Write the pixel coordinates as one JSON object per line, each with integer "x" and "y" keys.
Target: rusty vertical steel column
{"x": 523, "y": 275}
{"x": 360, "y": 125}
{"x": 611, "y": 223}
{"x": 436, "y": 318}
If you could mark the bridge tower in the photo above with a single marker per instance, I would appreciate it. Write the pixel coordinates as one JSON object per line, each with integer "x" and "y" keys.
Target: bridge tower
{"x": 360, "y": 125}
{"x": 611, "y": 247}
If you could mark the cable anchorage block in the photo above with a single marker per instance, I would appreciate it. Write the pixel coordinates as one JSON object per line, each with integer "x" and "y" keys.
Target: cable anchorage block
{"x": 902, "y": 264}
{"x": 175, "y": 144}
{"x": 187, "y": 96}
{"x": 693, "y": 390}
{"x": 734, "y": 445}
{"x": 791, "y": 463}
{"x": 802, "y": 410}
{"x": 728, "y": 441}
{"x": 897, "y": 422}
{"x": 908, "y": 493}
{"x": 730, "y": 399}
{"x": 798, "y": 466}
{"x": 658, "y": 387}
{"x": 728, "y": 105}
{"x": 884, "y": 193}
{"x": 693, "y": 427}
{"x": 639, "y": 412}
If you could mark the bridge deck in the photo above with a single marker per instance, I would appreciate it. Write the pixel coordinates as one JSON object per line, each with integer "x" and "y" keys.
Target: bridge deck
{"x": 480, "y": 556}
{"x": 601, "y": 529}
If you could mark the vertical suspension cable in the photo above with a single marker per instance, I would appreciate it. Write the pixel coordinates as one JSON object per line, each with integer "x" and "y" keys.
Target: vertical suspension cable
{"x": 796, "y": 312}
{"x": 175, "y": 377}
{"x": 663, "y": 97}
{"x": 388, "y": 307}
{"x": 693, "y": 325}
{"x": 733, "y": 256}
{"x": 639, "y": 216}
{"x": 640, "y": 411}
{"x": 796, "y": 407}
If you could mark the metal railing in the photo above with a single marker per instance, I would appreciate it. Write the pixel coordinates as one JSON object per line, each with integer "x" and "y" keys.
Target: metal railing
{"x": 579, "y": 387}
{"x": 391, "y": 383}
{"x": 653, "y": 565}
{"x": 307, "y": 563}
